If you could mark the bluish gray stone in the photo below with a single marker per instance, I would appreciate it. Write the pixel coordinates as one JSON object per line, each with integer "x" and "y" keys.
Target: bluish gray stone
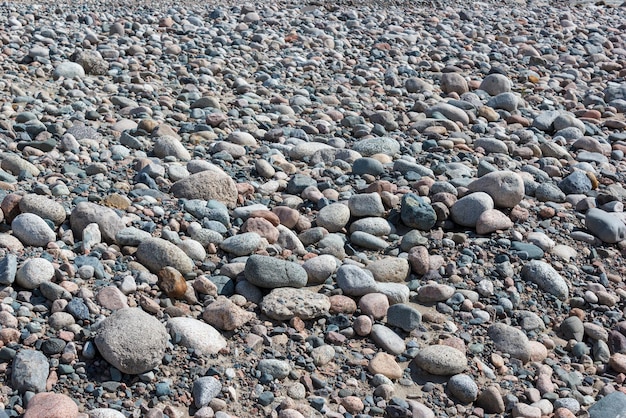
{"x": 30, "y": 371}
{"x": 468, "y": 209}
{"x": 403, "y": 316}
{"x": 269, "y": 272}
{"x": 241, "y": 244}
{"x": 368, "y": 241}
{"x": 507, "y": 101}
{"x": 546, "y": 277}
{"x": 367, "y": 165}
{"x": 463, "y": 387}
{"x": 576, "y": 183}
{"x": 205, "y": 389}
{"x": 510, "y": 340}
{"x": 388, "y": 340}
{"x": 612, "y": 405}
{"x": 417, "y": 213}
{"x": 548, "y": 192}
{"x": 605, "y": 225}
{"x": 279, "y": 369}
{"x": 8, "y": 269}
{"x": 355, "y": 281}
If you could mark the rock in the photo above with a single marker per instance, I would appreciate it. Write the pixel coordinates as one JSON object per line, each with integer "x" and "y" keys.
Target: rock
{"x": 205, "y": 389}
{"x": 605, "y": 225}
{"x": 285, "y": 303}
{"x": 30, "y": 371}
{"x": 379, "y": 145}
{"x": 333, "y": 217}
{"x": 505, "y": 188}
{"x": 362, "y": 325}
{"x": 30, "y": 229}
{"x": 34, "y": 272}
{"x": 8, "y": 269}
{"x": 156, "y": 253}
{"x": 388, "y": 340}
{"x": 212, "y": 184}
{"x": 169, "y": 146}
{"x": 510, "y": 340}
{"x": 572, "y": 328}
{"x": 374, "y": 305}
{"x": 366, "y": 204}
{"x": 241, "y": 244}
{"x": 43, "y": 207}
{"x": 576, "y": 183}
{"x": 469, "y": 208}
{"x": 417, "y": 213}
{"x": 546, "y": 277}
{"x": 495, "y": 84}
{"x": 492, "y": 220}
{"x": 278, "y": 369}
{"x": 131, "y": 340}
{"x": 385, "y": 364}
{"x": 441, "y": 360}
{"x": 203, "y": 338}
{"x": 104, "y": 413}
{"x": 612, "y": 405}
{"x": 389, "y": 269}
{"x": 490, "y": 399}
{"x": 224, "y": 314}
{"x": 355, "y": 281}
{"x": 434, "y": 292}
{"x": 51, "y": 405}
{"x": 453, "y": 83}
{"x": 403, "y": 316}
{"x": 171, "y": 282}
{"x": 463, "y": 387}
{"x": 68, "y": 70}
{"x": 319, "y": 268}
{"x": 107, "y": 219}
{"x": 269, "y": 272}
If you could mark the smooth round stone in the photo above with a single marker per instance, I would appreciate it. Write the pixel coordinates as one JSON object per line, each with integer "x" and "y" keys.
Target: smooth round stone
{"x": 605, "y": 225}
{"x": 333, "y": 217}
{"x": 417, "y": 213}
{"x": 199, "y": 335}
{"x": 31, "y": 229}
{"x": 193, "y": 249}
{"x": 492, "y": 220}
{"x": 403, "y": 316}
{"x": 366, "y": 204}
{"x": 169, "y": 146}
{"x": 368, "y": 241}
{"x": 285, "y": 303}
{"x": 105, "y": 413}
{"x": 279, "y": 369}
{"x": 362, "y": 325}
{"x": 372, "y": 225}
{"x": 381, "y": 145}
{"x": 548, "y": 192}
{"x": 541, "y": 240}
{"x": 495, "y": 84}
{"x": 453, "y": 82}
{"x": 269, "y": 272}
{"x": 388, "y": 340}
{"x": 523, "y": 410}
{"x": 434, "y": 292}
{"x": 205, "y": 389}
{"x": 390, "y": 269}
{"x": 546, "y": 277}
{"x": 441, "y": 360}
{"x": 211, "y": 183}
{"x": 157, "y": 253}
{"x": 468, "y": 209}
{"x": 374, "y": 305}
{"x": 49, "y": 405}
{"x": 395, "y": 292}
{"x": 449, "y": 111}
{"x": 34, "y": 272}
{"x": 506, "y": 188}
{"x": 30, "y": 371}
{"x": 510, "y": 340}
{"x": 507, "y": 101}
{"x": 132, "y": 341}
{"x": 355, "y": 281}
{"x": 86, "y": 213}
{"x": 320, "y": 268}
{"x": 367, "y": 165}
{"x": 463, "y": 387}
{"x": 44, "y": 207}
{"x": 492, "y": 145}
{"x": 68, "y": 70}
{"x": 323, "y": 354}
{"x": 241, "y": 244}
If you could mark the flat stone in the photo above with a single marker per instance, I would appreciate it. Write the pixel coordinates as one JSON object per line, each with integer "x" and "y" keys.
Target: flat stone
{"x": 157, "y": 253}
{"x": 212, "y": 184}
{"x": 285, "y": 303}
{"x": 30, "y": 371}
{"x": 605, "y": 225}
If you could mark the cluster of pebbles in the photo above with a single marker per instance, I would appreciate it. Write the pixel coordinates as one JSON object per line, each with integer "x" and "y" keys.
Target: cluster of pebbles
{"x": 293, "y": 209}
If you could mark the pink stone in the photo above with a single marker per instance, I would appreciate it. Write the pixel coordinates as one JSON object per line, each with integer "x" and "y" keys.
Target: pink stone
{"x": 419, "y": 259}
{"x": 362, "y": 325}
{"x": 51, "y": 405}
{"x": 374, "y": 304}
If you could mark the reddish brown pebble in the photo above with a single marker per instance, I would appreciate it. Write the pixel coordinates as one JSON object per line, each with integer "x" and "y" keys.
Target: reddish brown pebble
{"x": 172, "y": 282}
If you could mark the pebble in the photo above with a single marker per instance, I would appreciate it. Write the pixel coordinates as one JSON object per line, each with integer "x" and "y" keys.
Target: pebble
{"x": 196, "y": 334}
{"x": 441, "y": 360}
{"x": 355, "y": 281}
{"x": 403, "y": 316}
{"x": 285, "y": 303}
{"x": 388, "y": 340}
{"x": 463, "y": 387}
{"x": 333, "y": 217}
{"x": 546, "y": 277}
{"x": 51, "y": 405}
{"x": 270, "y": 273}
{"x": 385, "y": 364}
{"x": 34, "y": 272}
{"x": 157, "y": 253}
{"x": 131, "y": 340}
{"x": 468, "y": 209}
{"x": 504, "y": 187}
{"x": 30, "y": 371}
{"x": 278, "y": 369}
{"x": 605, "y": 226}
{"x": 510, "y": 340}
{"x": 31, "y": 229}
{"x": 205, "y": 389}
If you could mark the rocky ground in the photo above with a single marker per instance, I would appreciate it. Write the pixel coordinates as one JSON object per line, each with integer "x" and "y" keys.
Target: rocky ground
{"x": 306, "y": 209}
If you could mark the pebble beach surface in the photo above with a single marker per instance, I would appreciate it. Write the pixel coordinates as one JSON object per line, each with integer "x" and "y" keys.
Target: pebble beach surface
{"x": 312, "y": 209}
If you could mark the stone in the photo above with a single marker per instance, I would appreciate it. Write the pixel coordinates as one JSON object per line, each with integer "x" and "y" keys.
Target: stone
{"x": 362, "y": 325}
{"x": 506, "y": 188}
{"x": 319, "y": 268}
{"x": 269, "y": 272}
{"x": 378, "y": 145}
{"x": 492, "y": 220}
{"x": 469, "y": 208}
{"x": 8, "y": 269}
{"x": 31, "y": 229}
{"x": 510, "y": 340}
{"x": 285, "y": 303}
{"x": 69, "y": 70}
{"x": 43, "y": 207}
{"x": 202, "y": 337}
{"x": 390, "y": 269}
{"x": 605, "y": 225}
{"x": 546, "y": 277}
{"x": 576, "y": 183}
{"x": 495, "y": 84}
{"x": 107, "y": 219}
{"x": 211, "y": 184}
{"x": 169, "y": 146}
{"x": 463, "y": 387}
{"x": 374, "y": 305}
{"x": 417, "y": 213}
{"x": 171, "y": 282}
{"x": 205, "y": 389}
{"x": 403, "y": 316}
{"x": 453, "y": 83}
{"x": 224, "y": 314}
{"x": 366, "y": 204}
{"x": 355, "y": 281}
{"x": 434, "y": 292}
{"x": 131, "y": 340}
{"x": 323, "y": 354}
{"x": 34, "y": 272}
{"x": 51, "y": 405}
{"x": 30, "y": 371}
{"x": 612, "y": 405}
{"x": 333, "y": 217}
{"x": 278, "y": 369}
{"x": 242, "y": 244}
{"x": 105, "y": 413}
{"x": 385, "y": 364}
{"x": 490, "y": 399}
{"x": 441, "y": 360}
{"x": 387, "y": 339}
{"x": 157, "y": 253}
